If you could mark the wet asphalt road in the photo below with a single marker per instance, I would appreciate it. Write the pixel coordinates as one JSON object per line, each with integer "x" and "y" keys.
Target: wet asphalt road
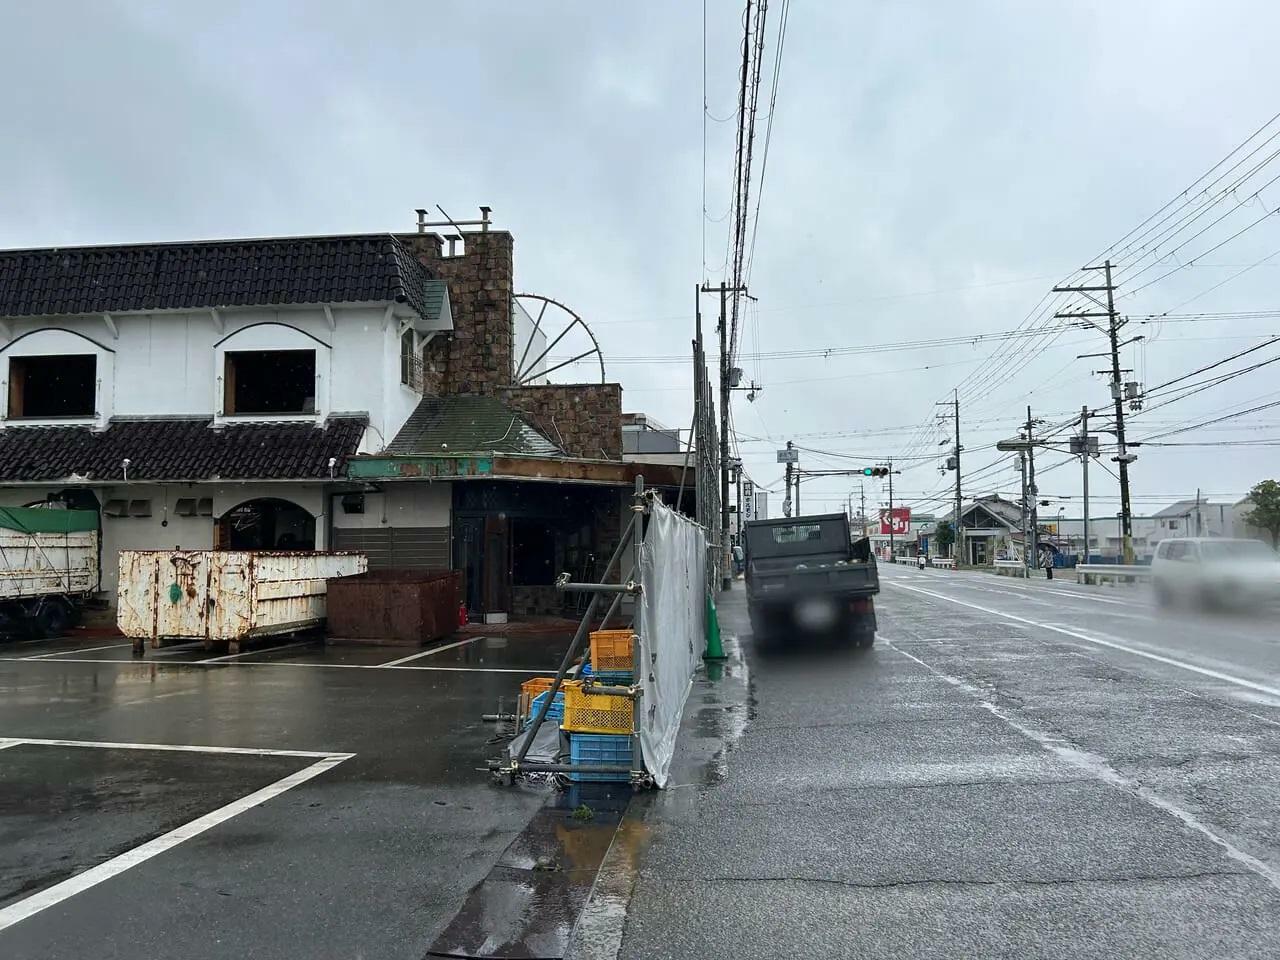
{"x": 371, "y": 857}
{"x": 1016, "y": 770}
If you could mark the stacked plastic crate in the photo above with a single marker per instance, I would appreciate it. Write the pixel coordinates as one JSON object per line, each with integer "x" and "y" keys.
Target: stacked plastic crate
{"x": 599, "y": 726}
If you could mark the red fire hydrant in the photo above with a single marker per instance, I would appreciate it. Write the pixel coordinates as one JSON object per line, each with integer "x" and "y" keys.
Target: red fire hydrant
{"x": 462, "y": 615}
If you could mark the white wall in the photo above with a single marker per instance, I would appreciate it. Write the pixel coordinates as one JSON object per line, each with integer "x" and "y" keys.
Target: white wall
{"x": 416, "y": 503}
{"x": 164, "y": 530}
{"x": 172, "y": 363}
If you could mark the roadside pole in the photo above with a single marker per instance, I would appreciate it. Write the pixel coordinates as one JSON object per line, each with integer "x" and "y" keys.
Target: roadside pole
{"x": 1084, "y": 462}
{"x": 957, "y": 533}
{"x": 891, "y": 560}
{"x": 1022, "y": 468}
{"x": 1033, "y": 495}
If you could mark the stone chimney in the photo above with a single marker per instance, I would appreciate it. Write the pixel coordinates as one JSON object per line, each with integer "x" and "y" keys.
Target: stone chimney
{"x": 480, "y": 355}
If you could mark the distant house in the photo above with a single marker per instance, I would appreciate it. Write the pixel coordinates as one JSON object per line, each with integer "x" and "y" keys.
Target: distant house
{"x": 991, "y": 525}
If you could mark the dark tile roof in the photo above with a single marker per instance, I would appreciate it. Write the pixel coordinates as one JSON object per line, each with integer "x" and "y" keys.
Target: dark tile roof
{"x": 220, "y": 273}
{"x": 468, "y": 423}
{"x": 179, "y": 449}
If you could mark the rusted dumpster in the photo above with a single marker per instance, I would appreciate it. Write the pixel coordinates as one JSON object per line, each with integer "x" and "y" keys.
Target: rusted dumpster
{"x": 394, "y": 606}
{"x": 225, "y": 597}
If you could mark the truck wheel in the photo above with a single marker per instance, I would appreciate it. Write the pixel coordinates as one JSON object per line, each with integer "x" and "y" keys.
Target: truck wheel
{"x": 865, "y": 639}
{"x": 52, "y": 619}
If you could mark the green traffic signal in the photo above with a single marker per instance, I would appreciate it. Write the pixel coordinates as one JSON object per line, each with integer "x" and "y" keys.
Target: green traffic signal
{"x": 867, "y": 472}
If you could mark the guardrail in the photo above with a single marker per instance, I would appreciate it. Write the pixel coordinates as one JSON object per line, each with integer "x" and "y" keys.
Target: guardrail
{"x": 947, "y": 563}
{"x": 912, "y": 561}
{"x": 1115, "y": 572}
{"x": 1013, "y": 568}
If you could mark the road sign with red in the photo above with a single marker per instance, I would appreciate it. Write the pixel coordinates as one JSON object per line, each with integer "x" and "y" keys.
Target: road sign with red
{"x": 900, "y": 525}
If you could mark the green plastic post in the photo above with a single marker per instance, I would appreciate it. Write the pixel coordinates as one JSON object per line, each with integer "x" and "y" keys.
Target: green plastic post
{"x": 715, "y": 649}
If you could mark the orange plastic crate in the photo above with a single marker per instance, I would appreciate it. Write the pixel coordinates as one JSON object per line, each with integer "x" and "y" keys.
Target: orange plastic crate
{"x": 612, "y": 650}
{"x": 594, "y": 712}
{"x": 530, "y": 689}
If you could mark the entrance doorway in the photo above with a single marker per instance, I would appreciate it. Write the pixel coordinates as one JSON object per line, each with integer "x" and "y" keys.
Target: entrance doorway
{"x": 267, "y": 523}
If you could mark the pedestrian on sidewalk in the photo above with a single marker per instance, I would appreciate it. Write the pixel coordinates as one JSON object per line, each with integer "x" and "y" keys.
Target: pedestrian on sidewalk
{"x": 1047, "y": 563}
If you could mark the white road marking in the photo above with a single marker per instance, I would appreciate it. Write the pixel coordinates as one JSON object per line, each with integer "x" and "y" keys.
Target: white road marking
{"x": 1111, "y": 644}
{"x": 17, "y": 912}
{"x": 1098, "y": 767}
{"x": 250, "y": 653}
{"x": 249, "y": 663}
{"x": 5, "y": 744}
{"x": 431, "y": 652}
{"x": 175, "y": 748}
{"x": 59, "y": 653}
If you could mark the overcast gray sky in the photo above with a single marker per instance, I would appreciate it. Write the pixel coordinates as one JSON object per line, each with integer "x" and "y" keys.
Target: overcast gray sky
{"x": 935, "y": 167}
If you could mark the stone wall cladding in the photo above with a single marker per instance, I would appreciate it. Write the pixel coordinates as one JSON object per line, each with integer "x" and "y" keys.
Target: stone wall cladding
{"x": 584, "y": 419}
{"x": 478, "y": 358}
{"x": 537, "y": 602}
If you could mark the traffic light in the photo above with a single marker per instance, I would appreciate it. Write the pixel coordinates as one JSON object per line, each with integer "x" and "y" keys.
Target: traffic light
{"x": 868, "y": 472}
{"x": 875, "y": 471}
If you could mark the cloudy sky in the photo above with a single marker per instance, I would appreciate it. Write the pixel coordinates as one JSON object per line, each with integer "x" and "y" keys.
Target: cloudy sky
{"x": 935, "y": 167}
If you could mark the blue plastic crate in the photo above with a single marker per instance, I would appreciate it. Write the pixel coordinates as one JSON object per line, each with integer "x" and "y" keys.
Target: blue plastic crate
{"x": 589, "y": 748}
{"x": 617, "y": 677}
{"x": 554, "y": 713}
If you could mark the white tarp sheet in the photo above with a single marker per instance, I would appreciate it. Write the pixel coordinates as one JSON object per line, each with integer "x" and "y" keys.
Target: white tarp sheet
{"x": 671, "y": 628}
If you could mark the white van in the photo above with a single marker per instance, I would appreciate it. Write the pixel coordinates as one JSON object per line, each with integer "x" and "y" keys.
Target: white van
{"x": 1215, "y": 571}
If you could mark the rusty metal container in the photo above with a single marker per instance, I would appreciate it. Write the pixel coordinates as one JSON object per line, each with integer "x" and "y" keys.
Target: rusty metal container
{"x": 395, "y": 606}
{"x": 224, "y": 597}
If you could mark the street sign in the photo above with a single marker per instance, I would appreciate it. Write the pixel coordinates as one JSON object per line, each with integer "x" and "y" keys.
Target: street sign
{"x": 898, "y": 525}
{"x": 748, "y": 499}
{"x": 789, "y": 456}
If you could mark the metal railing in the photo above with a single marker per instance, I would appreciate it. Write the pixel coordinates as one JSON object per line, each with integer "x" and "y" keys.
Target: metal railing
{"x": 1013, "y": 568}
{"x": 1115, "y": 572}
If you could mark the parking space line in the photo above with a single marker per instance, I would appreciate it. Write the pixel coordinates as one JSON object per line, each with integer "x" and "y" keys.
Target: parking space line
{"x": 250, "y": 663}
{"x": 249, "y": 653}
{"x": 432, "y": 652}
{"x": 17, "y": 912}
{"x": 59, "y": 653}
{"x": 1111, "y": 644}
{"x": 174, "y": 748}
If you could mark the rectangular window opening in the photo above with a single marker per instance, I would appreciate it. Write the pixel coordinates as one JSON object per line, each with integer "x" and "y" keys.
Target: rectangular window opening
{"x": 269, "y": 381}
{"x": 60, "y": 386}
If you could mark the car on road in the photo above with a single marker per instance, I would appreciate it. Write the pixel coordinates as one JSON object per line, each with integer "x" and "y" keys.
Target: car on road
{"x": 1215, "y": 572}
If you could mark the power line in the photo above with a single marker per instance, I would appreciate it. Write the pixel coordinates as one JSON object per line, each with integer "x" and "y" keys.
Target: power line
{"x": 1206, "y": 423}
{"x": 1211, "y": 366}
{"x": 768, "y": 130}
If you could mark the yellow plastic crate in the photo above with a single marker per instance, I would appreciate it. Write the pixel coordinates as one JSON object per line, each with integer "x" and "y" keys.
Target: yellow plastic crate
{"x": 594, "y": 712}
{"x": 612, "y": 650}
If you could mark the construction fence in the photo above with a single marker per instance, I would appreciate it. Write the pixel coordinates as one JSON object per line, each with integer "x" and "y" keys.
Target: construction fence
{"x": 616, "y": 715}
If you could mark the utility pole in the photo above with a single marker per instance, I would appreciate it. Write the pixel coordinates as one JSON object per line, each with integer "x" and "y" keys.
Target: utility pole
{"x": 1114, "y": 324}
{"x": 1198, "y": 529}
{"x": 891, "y": 511}
{"x": 726, "y": 579}
{"x": 722, "y": 329}
{"x": 1084, "y": 462}
{"x": 1034, "y": 542}
{"x": 786, "y": 499}
{"x": 1026, "y": 538}
{"x": 958, "y": 536}
{"x": 797, "y": 493}
{"x": 862, "y": 509}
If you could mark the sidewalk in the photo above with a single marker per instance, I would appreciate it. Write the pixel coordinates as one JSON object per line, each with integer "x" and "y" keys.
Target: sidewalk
{"x": 862, "y": 805}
